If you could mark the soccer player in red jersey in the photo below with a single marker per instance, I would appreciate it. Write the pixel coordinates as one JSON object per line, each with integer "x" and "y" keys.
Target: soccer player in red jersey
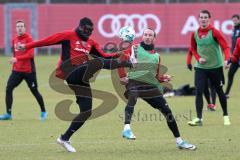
{"x": 236, "y": 53}
{"x": 23, "y": 69}
{"x": 76, "y": 68}
{"x": 234, "y": 65}
{"x": 207, "y": 45}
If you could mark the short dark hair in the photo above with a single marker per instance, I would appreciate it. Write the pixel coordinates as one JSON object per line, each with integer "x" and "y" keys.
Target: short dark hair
{"x": 236, "y": 16}
{"x": 20, "y": 21}
{"x": 206, "y": 12}
{"x": 154, "y": 33}
{"x": 85, "y": 21}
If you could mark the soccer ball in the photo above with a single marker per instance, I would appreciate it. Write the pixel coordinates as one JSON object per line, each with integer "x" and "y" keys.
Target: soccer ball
{"x": 127, "y": 33}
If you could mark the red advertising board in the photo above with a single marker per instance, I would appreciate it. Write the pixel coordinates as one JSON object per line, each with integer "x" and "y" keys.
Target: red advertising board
{"x": 173, "y": 23}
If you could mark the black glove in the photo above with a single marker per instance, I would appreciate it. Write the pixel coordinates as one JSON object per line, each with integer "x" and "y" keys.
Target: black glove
{"x": 189, "y": 66}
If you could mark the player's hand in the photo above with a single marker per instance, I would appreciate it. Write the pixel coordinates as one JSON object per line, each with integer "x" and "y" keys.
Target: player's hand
{"x": 21, "y": 47}
{"x": 166, "y": 78}
{"x": 202, "y": 60}
{"x": 13, "y": 60}
{"x": 229, "y": 61}
{"x": 189, "y": 66}
{"x": 226, "y": 64}
{"x": 124, "y": 80}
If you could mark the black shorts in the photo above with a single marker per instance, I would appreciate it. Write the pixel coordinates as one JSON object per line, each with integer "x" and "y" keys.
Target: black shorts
{"x": 78, "y": 81}
{"x": 215, "y": 76}
{"x": 140, "y": 89}
{"x": 17, "y": 77}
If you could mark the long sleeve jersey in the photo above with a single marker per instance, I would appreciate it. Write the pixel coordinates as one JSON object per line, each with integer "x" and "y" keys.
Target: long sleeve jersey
{"x": 74, "y": 49}
{"x": 236, "y": 53}
{"x": 25, "y": 59}
{"x": 217, "y": 37}
{"x": 189, "y": 56}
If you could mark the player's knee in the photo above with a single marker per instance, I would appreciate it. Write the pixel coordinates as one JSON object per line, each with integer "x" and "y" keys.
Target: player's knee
{"x": 97, "y": 63}
{"x": 219, "y": 90}
{"x": 83, "y": 116}
{"x": 132, "y": 100}
{"x": 166, "y": 111}
{"x": 199, "y": 92}
{"x": 9, "y": 89}
{"x": 157, "y": 104}
{"x": 169, "y": 117}
{"x": 230, "y": 74}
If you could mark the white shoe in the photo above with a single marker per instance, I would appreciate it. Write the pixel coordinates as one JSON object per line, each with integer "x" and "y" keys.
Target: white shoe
{"x": 226, "y": 121}
{"x": 133, "y": 57}
{"x": 186, "y": 145}
{"x": 66, "y": 145}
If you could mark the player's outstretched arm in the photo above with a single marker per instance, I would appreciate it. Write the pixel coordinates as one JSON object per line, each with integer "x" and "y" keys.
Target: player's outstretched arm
{"x": 51, "y": 40}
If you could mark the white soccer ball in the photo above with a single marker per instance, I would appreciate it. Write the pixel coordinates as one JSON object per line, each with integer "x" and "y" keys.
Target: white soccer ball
{"x": 127, "y": 33}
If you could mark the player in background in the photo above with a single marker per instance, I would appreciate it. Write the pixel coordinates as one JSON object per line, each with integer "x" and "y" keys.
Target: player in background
{"x": 234, "y": 65}
{"x": 236, "y": 53}
{"x": 207, "y": 44}
{"x": 23, "y": 68}
{"x": 143, "y": 81}
{"x": 210, "y": 98}
{"x": 76, "y": 68}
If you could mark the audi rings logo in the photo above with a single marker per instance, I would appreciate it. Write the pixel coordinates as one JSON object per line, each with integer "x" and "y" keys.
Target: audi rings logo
{"x": 115, "y": 23}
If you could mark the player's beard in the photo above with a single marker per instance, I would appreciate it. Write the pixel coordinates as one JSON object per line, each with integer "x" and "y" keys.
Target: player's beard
{"x": 82, "y": 35}
{"x": 146, "y": 46}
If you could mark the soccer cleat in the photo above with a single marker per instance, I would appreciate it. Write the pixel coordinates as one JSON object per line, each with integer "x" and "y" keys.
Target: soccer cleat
{"x": 43, "y": 116}
{"x": 6, "y": 116}
{"x": 133, "y": 57}
{"x": 226, "y": 121}
{"x": 66, "y": 145}
{"x": 195, "y": 122}
{"x": 128, "y": 134}
{"x": 185, "y": 145}
{"x": 211, "y": 107}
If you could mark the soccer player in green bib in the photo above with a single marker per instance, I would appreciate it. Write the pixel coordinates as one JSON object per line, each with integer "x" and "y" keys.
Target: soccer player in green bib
{"x": 207, "y": 45}
{"x": 144, "y": 81}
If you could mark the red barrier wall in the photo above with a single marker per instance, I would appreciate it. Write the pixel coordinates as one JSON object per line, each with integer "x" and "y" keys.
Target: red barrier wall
{"x": 173, "y": 22}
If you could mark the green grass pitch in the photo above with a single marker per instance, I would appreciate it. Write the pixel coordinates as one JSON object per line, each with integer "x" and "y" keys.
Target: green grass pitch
{"x": 27, "y": 138}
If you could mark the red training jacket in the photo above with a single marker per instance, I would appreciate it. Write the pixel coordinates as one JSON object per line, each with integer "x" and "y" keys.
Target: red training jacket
{"x": 189, "y": 56}
{"x": 236, "y": 53}
{"x": 73, "y": 48}
{"x": 216, "y": 35}
{"x": 25, "y": 61}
